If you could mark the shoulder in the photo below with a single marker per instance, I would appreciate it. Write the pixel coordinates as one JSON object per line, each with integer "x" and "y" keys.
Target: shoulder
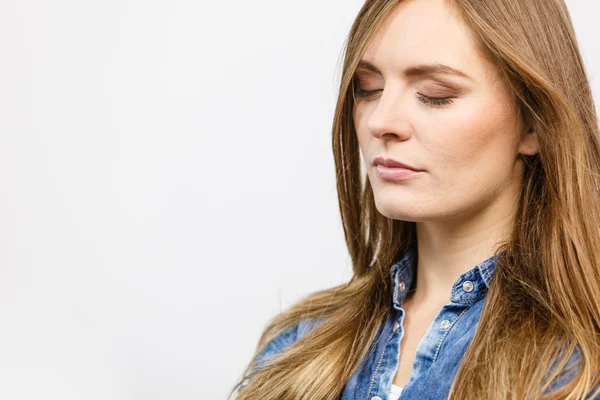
{"x": 279, "y": 343}
{"x": 569, "y": 371}
{"x": 285, "y": 339}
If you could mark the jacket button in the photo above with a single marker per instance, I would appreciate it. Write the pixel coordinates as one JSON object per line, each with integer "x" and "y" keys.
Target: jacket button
{"x": 468, "y": 286}
{"x": 402, "y": 286}
{"x": 396, "y": 326}
{"x": 444, "y": 324}
{"x": 376, "y": 398}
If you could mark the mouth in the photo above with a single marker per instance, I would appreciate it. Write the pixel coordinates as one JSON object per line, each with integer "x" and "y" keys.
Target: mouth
{"x": 391, "y": 163}
{"x": 393, "y": 170}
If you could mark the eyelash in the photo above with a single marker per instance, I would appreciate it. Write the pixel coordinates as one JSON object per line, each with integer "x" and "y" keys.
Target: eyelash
{"x": 436, "y": 101}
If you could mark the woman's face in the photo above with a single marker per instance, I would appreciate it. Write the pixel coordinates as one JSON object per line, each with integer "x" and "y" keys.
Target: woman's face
{"x": 462, "y": 131}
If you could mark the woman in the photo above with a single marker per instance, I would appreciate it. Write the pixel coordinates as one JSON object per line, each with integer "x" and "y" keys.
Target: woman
{"x": 476, "y": 265}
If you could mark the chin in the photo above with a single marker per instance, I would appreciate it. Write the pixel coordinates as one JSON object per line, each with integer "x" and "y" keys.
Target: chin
{"x": 400, "y": 216}
{"x": 399, "y": 209}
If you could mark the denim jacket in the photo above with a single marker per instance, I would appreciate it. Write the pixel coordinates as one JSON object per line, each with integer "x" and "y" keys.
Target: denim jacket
{"x": 439, "y": 352}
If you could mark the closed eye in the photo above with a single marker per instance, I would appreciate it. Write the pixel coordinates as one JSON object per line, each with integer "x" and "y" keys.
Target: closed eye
{"x": 366, "y": 93}
{"x": 435, "y": 101}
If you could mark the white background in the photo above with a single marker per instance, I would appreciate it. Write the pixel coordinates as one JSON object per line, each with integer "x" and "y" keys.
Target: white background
{"x": 167, "y": 186}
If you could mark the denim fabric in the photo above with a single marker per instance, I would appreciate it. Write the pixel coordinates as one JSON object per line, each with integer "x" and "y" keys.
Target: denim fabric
{"x": 439, "y": 352}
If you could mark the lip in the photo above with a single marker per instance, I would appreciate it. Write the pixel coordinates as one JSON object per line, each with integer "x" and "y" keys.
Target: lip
{"x": 392, "y": 170}
{"x": 391, "y": 163}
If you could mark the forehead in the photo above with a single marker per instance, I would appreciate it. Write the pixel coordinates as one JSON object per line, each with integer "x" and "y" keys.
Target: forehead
{"x": 423, "y": 32}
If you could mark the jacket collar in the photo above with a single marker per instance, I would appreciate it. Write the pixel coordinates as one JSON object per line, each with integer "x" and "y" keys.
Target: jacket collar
{"x": 467, "y": 289}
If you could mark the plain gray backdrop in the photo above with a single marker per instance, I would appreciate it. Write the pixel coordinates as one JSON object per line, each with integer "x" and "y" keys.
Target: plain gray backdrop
{"x": 167, "y": 186}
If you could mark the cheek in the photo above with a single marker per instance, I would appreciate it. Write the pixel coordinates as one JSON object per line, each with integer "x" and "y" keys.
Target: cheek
{"x": 479, "y": 138}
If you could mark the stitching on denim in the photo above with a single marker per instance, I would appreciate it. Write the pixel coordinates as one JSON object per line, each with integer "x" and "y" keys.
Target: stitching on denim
{"x": 446, "y": 334}
{"x": 487, "y": 271}
{"x": 473, "y": 300}
{"x": 395, "y": 274}
{"x": 379, "y": 364}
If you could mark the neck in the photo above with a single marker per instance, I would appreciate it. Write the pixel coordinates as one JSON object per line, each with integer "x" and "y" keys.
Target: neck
{"x": 448, "y": 249}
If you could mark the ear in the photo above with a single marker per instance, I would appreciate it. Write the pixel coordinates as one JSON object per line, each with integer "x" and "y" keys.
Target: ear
{"x": 529, "y": 143}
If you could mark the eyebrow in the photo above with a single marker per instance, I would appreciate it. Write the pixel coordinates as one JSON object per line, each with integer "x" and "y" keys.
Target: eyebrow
{"x": 418, "y": 70}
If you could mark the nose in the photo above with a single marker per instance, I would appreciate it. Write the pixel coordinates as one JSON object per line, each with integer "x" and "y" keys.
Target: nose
{"x": 390, "y": 118}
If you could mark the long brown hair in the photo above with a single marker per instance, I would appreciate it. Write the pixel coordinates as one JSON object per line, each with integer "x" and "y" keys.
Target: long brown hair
{"x": 544, "y": 299}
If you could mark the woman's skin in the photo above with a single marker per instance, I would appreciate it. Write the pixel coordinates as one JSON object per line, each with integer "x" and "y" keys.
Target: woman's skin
{"x": 464, "y": 202}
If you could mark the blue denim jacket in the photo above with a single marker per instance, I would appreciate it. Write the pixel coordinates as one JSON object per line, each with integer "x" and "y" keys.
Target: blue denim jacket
{"x": 440, "y": 350}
